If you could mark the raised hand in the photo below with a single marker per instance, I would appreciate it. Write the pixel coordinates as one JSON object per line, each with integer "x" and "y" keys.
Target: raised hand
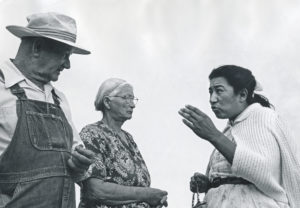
{"x": 199, "y": 122}
{"x": 203, "y": 126}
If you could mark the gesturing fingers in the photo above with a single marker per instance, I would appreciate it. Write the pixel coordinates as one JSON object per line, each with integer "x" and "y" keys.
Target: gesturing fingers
{"x": 191, "y": 119}
{"x": 189, "y": 115}
{"x": 198, "y": 121}
{"x": 197, "y": 114}
{"x": 192, "y": 112}
{"x": 186, "y": 116}
{"x": 189, "y": 124}
{"x": 195, "y": 110}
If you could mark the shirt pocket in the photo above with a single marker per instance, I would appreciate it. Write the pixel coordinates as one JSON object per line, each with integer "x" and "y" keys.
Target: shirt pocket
{"x": 47, "y": 132}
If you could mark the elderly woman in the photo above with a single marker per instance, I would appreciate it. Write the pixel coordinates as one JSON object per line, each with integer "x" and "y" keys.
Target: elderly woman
{"x": 118, "y": 176}
{"x": 254, "y": 163}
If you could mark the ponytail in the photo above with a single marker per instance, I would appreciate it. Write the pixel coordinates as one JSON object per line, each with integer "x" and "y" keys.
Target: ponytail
{"x": 258, "y": 98}
{"x": 241, "y": 78}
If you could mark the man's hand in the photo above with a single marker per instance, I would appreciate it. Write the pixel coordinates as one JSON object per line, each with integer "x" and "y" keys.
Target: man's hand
{"x": 81, "y": 159}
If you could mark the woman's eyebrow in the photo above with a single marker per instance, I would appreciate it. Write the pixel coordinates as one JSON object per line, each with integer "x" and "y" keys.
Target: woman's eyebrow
{"x": 217, "y": 86}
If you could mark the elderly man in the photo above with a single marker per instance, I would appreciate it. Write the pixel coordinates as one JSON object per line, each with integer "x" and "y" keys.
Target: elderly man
{"x": 37, "y": 162}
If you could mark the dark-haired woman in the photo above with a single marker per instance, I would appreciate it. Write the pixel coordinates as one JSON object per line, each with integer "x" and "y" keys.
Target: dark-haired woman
{"x": 254, "y": 163}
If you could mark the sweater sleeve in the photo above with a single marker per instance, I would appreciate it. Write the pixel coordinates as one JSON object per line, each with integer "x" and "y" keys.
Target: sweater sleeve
{"x": 257, "y": 155}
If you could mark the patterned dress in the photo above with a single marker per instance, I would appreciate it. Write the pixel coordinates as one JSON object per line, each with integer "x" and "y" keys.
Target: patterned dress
{"x": 116, "y": 161}
{"x": 233, "y": 195}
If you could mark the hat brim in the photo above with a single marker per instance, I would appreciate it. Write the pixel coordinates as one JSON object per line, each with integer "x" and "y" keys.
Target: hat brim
{"x": 21, "y": 32}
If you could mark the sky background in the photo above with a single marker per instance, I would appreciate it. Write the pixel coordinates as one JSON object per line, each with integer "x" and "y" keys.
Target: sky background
{"x": 166, "y": 50}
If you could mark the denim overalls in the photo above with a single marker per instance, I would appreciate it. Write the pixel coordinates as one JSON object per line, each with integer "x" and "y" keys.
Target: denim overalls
{"x": 33, "y": 168}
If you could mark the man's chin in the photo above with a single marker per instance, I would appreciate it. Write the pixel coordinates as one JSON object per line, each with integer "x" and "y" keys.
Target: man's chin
{"x": 54, "y": 78}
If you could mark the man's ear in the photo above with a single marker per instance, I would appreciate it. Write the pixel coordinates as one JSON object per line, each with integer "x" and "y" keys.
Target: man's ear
{"x": 243, "y": 95}
{"x": 106, "y": 102}
{"x": 37, "y": 47}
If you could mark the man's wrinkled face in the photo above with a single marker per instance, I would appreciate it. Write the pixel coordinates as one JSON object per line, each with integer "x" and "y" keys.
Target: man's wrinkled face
{"x": 52, "y": 61}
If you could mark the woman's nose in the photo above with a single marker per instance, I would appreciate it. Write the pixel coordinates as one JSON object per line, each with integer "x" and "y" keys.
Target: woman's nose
{"x": 132, "y": 105}
{"x": 213, "y": 98}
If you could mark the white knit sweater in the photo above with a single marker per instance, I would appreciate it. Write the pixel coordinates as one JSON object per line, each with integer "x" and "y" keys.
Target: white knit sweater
{"x": 261, "y": 136}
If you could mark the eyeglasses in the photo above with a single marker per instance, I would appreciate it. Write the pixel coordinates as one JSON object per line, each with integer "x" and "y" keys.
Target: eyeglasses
{"x": 128, "y": 99}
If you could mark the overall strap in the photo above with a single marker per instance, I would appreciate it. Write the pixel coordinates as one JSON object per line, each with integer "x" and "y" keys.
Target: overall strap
{"x": 1, "y": 74}
{"x": 55, "y": 97}
{"x": 18, "y": 91}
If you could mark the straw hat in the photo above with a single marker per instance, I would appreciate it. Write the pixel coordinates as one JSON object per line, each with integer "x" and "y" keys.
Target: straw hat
{"x": 50, "y": 25}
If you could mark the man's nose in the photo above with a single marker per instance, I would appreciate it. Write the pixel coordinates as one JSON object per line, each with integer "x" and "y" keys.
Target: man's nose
{"x": 67, "y": 64}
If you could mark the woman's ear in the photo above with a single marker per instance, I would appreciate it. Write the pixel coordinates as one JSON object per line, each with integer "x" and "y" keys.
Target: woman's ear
{"x": 106, "y": 103}
{"x": 243, "y": 95}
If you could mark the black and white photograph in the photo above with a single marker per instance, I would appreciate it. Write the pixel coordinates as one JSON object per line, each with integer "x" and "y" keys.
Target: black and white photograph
{"x": 149, "y": 104}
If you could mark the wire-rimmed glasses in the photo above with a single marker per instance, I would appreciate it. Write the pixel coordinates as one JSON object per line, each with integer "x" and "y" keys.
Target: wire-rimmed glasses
{"x": 128, "y": 99}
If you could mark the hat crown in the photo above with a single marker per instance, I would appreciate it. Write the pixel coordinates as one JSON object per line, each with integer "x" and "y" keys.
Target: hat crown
{"x": 53, "y": 24}
{"x": 50, "y": 25}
